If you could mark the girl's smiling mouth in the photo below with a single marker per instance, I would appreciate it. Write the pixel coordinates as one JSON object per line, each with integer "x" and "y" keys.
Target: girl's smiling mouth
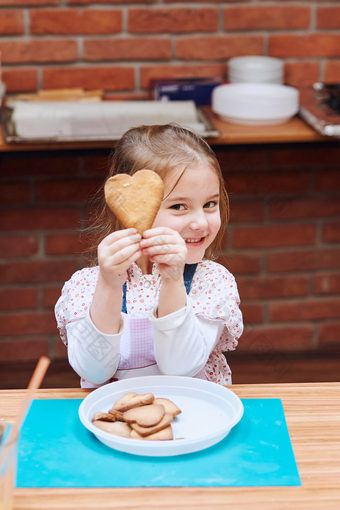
{"x": 196, "y": 242}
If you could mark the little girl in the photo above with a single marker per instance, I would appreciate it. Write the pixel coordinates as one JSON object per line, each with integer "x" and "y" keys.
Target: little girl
{"x": 157, "y": 304}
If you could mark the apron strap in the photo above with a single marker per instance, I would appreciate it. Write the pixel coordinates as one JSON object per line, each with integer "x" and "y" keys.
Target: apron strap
{"x": 189, "y": 271}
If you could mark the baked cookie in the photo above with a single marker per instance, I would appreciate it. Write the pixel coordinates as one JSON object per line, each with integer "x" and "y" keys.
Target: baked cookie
{"x": 135, "y": 199}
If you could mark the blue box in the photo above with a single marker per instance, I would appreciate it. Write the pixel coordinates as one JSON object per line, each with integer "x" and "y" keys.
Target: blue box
{"x": 198, "y": 90}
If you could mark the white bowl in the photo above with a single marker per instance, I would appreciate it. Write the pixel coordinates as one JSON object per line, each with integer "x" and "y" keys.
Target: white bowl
{"x": 255, "y": 69}
{"x": 235, "y": 77}
{"x": 255, "y": 103}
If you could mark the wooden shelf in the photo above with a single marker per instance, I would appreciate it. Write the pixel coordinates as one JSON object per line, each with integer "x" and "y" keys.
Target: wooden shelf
{"x": 293, "y": 131}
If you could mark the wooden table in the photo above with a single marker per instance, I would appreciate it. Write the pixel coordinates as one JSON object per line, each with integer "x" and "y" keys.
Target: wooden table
{"x": 313, "y": 417}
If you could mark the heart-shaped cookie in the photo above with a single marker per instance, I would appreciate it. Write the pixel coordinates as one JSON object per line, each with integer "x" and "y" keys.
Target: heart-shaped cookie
{"x": 135, "y": 199}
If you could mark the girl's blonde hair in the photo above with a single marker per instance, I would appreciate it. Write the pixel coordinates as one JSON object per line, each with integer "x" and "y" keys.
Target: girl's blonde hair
{"x": 161, "y": 148}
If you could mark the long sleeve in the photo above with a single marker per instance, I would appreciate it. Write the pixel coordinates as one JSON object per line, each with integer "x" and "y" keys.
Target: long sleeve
{"x": 183, "y": 342}
{"x": 92, "y": 354}
{"x": 214, "y": 303}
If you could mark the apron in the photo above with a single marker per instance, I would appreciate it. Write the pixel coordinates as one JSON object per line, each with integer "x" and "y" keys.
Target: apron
{"x": 136, "y": 346}
{"x": 137, "y": 342}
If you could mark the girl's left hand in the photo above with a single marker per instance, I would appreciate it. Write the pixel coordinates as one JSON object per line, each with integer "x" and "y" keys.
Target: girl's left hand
{"x": 167, "y": 248}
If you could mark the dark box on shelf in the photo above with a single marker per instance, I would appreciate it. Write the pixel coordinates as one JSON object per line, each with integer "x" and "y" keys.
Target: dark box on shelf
{"x": 198, "y": 90}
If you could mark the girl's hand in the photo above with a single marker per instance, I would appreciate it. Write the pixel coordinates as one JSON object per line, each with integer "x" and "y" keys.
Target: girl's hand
{"x": 167, "y": 248}
{"x": 116, "y": 252}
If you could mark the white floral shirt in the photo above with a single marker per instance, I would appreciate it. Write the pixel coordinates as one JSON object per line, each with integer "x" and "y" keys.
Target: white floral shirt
{"x": 213, "y": 296}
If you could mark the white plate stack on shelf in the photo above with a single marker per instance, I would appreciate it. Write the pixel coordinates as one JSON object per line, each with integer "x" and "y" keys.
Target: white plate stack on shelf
{"x": 255, "y": 94}
{"x": 255, "y": 69}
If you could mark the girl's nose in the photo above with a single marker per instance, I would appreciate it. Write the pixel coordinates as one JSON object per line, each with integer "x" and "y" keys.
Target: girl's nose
{"x": 199, "y": 222}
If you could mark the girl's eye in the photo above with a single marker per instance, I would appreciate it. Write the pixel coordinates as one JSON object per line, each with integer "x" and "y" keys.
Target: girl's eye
{"x": 210, "y": 204}
{"x": 178, "y": 207}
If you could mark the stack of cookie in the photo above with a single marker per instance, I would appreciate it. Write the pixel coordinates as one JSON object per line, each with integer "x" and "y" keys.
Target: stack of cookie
{"x": 139, "y": 417}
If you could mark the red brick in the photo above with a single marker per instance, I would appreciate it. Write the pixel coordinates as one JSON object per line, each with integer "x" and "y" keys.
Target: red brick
{"x": 149, "y": 73}
{"x": 94, "y": 164}
{"x": 51, "y": 296}
{"x": 18, "y": 245}
{"x": 23, "y": 350}
{"x": 282, "y": 17}
{"x": 306, "y": 156}
{"x": 329, "y": 335}
{"x": 20, "y": 80}
{"x": 304, "y": 260}
{"x": 307, "y": 45}
{"x": 332, "y": 71}
{"x": 241, "y": 264}
{"x": 66, "y": 191}
{"x": 202, "y": 1}
{"x": 106, "y": 78}
{"x": 328, "y": 283}
{"x": 59, "y": 349}
{"x": 277, "y": 339}
{"x": 18, "y": 298}
{"x": 281, "y": 182}
{"x": 317, "y": 309}
{"x": 264, "y": 288}
{"x": 328, "y": 17}
{"x": 28, "y": 3}
{"x": 46, "y": 50}
{"x": 11, "y": 22}
{"x": 246, "y": 211}
{"x": 75, "y": 21}
{"x": 40, "y": 219}
{"x": 273, "y": 236}
{"x": 14, "y": 193}
{"x": 86, "y": 2}
{"x": 304, "y": 208}
{"x": 34, "y": 164}
{"x": 331, "y": 232}
{"x": 245, "y": 158}
{"x": 301, "y": 74}
{"x": 155, "y": 21}
{"x": 64, "y": 244}
{"x": 38, "y": 323}
{"x": 218, "y": 47}
{"x": 38, "y": 271}
{"x": 327, "y": 181}
{"x": 252, "y": 313}
{"x": 127, "y": 49}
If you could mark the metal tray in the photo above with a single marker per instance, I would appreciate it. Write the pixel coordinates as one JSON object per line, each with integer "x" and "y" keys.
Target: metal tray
{"x": 10, "y": 135}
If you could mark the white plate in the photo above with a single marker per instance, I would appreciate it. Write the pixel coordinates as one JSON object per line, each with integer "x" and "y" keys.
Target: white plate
{"x": 209, "y": 411}
{"x": 255, "y": 103}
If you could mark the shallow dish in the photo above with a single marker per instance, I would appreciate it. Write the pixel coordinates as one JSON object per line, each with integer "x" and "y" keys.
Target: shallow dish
{"x": 255, "y": 103}
{"x": 209, "y": 411}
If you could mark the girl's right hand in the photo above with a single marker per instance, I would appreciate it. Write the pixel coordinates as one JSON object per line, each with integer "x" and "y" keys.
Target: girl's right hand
{"x": 116, "y": 252}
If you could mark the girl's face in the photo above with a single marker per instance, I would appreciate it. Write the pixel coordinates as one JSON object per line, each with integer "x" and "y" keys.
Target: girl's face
{"x": 192, "y": 208}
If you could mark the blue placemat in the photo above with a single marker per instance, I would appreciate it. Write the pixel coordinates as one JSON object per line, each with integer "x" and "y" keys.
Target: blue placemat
{"x": 56, "y": 450}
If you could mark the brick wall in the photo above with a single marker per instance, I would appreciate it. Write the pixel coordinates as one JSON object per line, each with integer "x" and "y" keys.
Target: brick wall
{"x": 282, "y": 244}
{"x": 120, "y": 45}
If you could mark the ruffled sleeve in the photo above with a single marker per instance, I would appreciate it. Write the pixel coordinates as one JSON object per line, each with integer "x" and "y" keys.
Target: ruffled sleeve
{"x": 75, "y": 300}
{"x": 215, "y": 296}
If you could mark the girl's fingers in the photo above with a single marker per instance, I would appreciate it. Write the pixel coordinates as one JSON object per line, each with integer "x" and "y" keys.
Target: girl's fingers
{"x": 119, "y": 234}
{"x": 123, "y": 243}
{"x": 108, "y": 249}
{"x": 124, "y": 254}
{"x": 164, "y": 249}
{"x": 159, "y": 239}
{"x": 157, "y": 231}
